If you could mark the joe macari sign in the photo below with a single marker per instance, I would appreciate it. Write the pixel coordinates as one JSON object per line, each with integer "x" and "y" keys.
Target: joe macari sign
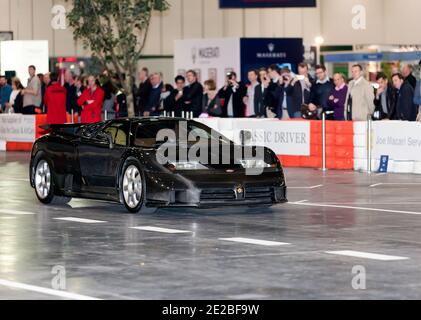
{"x": 17, "y": 128}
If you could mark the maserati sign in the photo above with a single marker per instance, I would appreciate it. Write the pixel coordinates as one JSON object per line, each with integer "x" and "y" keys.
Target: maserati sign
{"x": 271, "y": 53}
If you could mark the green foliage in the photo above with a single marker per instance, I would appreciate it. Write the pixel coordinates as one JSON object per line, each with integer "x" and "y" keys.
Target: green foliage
{"x": 387, "y": 69}
{"x": 114, "y": 30}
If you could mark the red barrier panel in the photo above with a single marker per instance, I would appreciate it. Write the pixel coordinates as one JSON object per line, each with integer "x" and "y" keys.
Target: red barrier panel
{"x": 290, "y": 161}
{"x": 339, "y": 147}
{"x": 311, "y": 162}
{"x": 19, "y": 146}
{"x": 40, "y": 120}
{"x": 345, "y": 127}
{"x": 345, "y": 140}
{"x": 75, "y": 118}
{"x": 315, "y": 150}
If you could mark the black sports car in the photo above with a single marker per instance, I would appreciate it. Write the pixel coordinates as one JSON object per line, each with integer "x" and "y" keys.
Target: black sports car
{"x": 121, "y": 160}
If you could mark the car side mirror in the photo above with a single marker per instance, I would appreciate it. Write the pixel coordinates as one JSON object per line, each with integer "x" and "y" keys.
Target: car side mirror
{"x": 106, "y": 137}
{"x": 110, "y": 141}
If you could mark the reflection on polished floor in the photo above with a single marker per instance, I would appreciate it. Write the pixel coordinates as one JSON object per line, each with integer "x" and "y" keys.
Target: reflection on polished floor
{"x": 336, "y": 223}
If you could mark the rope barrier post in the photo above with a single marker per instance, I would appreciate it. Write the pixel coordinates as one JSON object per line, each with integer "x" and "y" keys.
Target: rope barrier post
{"x": 172, "y": 114}
{"x": 73, "y": 117}
{"x": 369, "y": 144}
{"x": 105, "y": 115}
{"x": 324, "y": 167}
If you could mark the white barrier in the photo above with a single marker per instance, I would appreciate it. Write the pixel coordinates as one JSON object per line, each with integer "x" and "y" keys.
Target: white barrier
{"x": 17, "y": 127}
{"x": 399, "y": 140}
{"x": 297, "y": 142}
{"x": 283, "y": 137}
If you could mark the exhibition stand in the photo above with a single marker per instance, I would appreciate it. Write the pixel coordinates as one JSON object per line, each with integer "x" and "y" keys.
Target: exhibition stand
{"x": 214, "y": 58}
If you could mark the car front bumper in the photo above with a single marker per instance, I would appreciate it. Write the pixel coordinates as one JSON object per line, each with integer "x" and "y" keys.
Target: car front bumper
{"x": 207, "y": 190}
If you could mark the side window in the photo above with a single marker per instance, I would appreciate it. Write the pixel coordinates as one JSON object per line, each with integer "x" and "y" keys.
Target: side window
{"x": 118, "y": 132}
{"x": 198, "y": 132}
{"x": 146, "y": 133}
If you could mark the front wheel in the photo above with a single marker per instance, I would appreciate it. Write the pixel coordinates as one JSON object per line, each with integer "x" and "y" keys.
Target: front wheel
{"x": 132, "y": 187}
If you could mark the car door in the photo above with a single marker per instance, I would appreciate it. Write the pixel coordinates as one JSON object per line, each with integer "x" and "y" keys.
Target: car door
{"x": 99, "y": 159}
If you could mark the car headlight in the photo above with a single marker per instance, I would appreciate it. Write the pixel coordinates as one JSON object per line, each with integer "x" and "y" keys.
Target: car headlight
{"x": 255, "y": 164}
{"x": 187, "y": 165}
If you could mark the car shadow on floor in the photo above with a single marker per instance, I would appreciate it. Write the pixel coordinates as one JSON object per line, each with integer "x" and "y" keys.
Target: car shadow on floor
{"x": 220, "y": 211}
{"x": 113, "y": 209}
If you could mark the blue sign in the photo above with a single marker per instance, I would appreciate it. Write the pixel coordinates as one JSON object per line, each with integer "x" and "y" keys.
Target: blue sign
{"x": 266, "y": 3}
{"x": 404, "y": 56}
{"x": 262, "y": 52}
{"x": 380, "y": 56}
{"x": 354, "y": 57}
{"x": 384, "y": 164}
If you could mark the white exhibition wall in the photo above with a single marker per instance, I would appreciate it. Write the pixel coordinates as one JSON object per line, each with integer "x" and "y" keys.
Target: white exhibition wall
{"x": 210, "y": 58}
{"x": 388, "y": 22}
{"x": 18, "y": 55}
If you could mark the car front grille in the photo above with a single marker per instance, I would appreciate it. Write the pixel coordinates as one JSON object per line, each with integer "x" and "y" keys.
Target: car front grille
{"x": 253, "y": 194}
{"x": 259, "y": 193}
{"x": 217, "y": 194}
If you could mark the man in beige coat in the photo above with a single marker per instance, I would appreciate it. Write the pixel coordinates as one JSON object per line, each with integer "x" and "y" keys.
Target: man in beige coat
{"x": 360, "y": 99}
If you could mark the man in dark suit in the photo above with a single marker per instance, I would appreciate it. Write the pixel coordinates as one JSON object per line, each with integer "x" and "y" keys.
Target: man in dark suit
{"x": 193, "y": 94}
{"x": 405, "y": 108}
{"x": 175, "y": 101}
{"x": 261, "y": 94}
{"x": 285, "y": 107}
{"x": 274, "y": 72}
{"x": 407, "y": 72}
{"x": 154, "y": 98}
{"x": 233, "y": 94}
{"x": 320, "y": 92}
{"x": 385, "y": 100}
{"x": 299, "y": 88}
{"x": 142, "y": 92}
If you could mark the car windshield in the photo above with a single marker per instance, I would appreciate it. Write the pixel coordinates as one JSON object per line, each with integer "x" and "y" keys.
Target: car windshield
{"x": 194, "y": 132}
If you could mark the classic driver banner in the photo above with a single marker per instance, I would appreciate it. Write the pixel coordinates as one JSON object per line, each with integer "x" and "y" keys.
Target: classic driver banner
{"x": 266, "y": 3}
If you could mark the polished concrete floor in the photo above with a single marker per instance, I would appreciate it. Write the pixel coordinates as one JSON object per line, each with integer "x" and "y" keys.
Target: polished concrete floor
{"x": 282, "y": 253}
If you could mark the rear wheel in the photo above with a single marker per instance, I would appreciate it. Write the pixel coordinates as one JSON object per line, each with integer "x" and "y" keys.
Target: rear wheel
{"x": 44, "y": 184}
{"x": 133, "y": 188}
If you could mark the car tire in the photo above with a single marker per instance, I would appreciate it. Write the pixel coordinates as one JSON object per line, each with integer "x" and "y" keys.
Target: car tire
{"x": 133, "y": 188}
{"x": 43, "y": 180}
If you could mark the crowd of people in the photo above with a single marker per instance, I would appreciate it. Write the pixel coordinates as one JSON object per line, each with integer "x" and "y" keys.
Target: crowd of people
{"x": 275, "y": 92}
{"x": 83, "y": 97}
{"x": 271, "y": 92}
